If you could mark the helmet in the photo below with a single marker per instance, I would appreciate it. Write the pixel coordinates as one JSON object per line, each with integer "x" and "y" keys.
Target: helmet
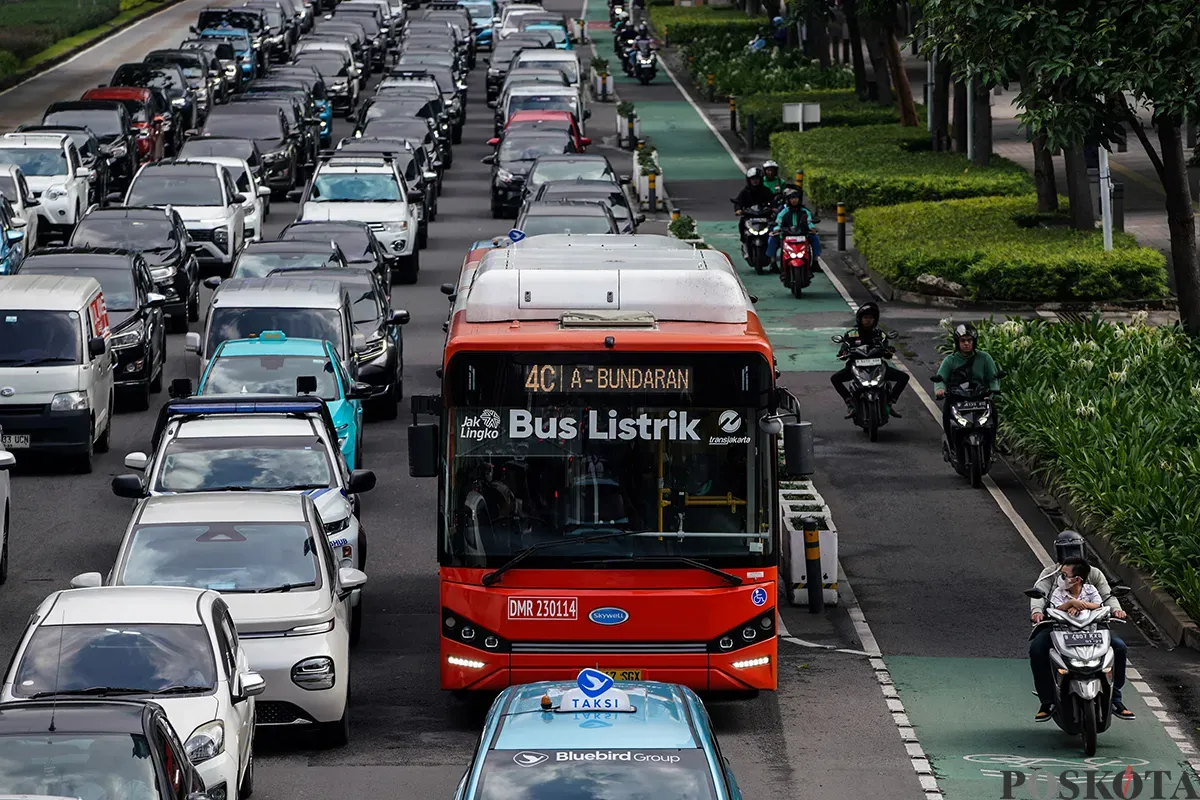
{"x": 752, "y": 173}
{"x": 771, "y": 165}
{"x": 790, "y": 195}
{"x": 777, "y": 21}
{"x": 643, "y": 30}
{"x": 1068, "y": 545}
{"x": 866, "y": 310}
{"x": 965, "y": 330}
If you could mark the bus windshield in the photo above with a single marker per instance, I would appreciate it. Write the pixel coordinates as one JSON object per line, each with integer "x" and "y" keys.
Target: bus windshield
{"x": 551, "y": 449}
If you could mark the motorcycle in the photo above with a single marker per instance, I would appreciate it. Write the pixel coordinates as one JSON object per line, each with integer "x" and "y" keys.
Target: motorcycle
{"x": 755, "y": 235}
{"x": 795, "y": 260}
{"x": 1082, "y": 659}
{"x": 617, "y": 12}
{"x": 868, "y": 385}
{"x": 970, "y": 448}
{"x": 645, "y": 64}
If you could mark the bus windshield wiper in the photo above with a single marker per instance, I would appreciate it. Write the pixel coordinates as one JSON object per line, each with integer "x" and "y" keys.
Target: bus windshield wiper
{"x": 494, "y": 576}
{"x": 728, "y": 577}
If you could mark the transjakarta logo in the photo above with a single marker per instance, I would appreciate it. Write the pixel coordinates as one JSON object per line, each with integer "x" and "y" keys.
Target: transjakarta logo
{"x": 481, "y": 427}
{"x": 729, "y": 422}
{"x": 614, "y": 755}
{"x": 677, "y": 427}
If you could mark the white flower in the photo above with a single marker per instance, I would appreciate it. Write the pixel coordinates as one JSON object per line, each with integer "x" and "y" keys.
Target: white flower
{"x": 1086, "y": 363}
{"x": 1140, "y": 317}
{"x": 1025, "y": 341}
{"x": 1086, "y": 410}
{"x": 1196, "y": 390}
{"x": 1119, "y": 377}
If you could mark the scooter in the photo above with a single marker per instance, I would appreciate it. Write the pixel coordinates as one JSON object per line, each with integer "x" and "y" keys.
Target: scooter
{"x": 795, "y": 260}
{"x": 755, "y": 235}
{"x": 970, "y": 448}
{"x": 645, "y": 65}
{"x": 868, "y": 385}
{"x": 1082, "y": 659}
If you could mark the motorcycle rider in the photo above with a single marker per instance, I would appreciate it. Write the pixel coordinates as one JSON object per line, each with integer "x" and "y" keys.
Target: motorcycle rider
{"x": 793, "y": 216}
{"x": 752, "y": 194}
{"x": 641, "y": 37}
{"x": 866, "y": 332}
{"x": 965, "y": 365}
{"x": 624, "y": 34}
{"x": 1069, "y": 549}
{"x": 771, "y": 178}
{"x": 780, "y": 32}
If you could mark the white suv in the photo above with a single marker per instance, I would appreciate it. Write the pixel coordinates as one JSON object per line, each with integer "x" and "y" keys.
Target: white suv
{"x": 55, "y": 174}
{"x": 370, "y": 189}
{"x": 204, "y": 195}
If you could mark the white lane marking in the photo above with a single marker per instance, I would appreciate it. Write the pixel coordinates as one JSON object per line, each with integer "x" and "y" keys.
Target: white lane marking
{"x": 1133, "y": 674}
{"x": 703, "y": 117}
{"x": 837, "y": 284}
{"x": 1141, "y": 686}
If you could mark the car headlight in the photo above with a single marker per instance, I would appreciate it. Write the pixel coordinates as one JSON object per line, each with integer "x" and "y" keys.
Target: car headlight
{"x": 374, "y": 349}
{"x": 56, "y": 192}
{"x": 164, "y": 273}
{"x": 272, "y": 157}
{"x": 503, "y": 175}
{"x": 207, "y": 741}
{"x": 70, "y": 401}
{"x": 493, "y": 73}
{"x": 337, "y": 526}
{"x": 179, "y": 102}
{"x": 396, "y": 226}
{"x": 317, "y": 672}
{"x": 129, "y": 338}
{"x": 119, "y": 150}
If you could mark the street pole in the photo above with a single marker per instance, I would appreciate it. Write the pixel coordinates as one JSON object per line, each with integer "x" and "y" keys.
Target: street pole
{"x": 1106, "y": 216}
{"x": 931, "y": 82}
{"x": 970, "y": 119}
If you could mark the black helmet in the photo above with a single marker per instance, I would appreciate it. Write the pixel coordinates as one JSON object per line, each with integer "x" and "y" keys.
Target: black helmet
{"x": 752, "y": 173}
{"x": 1068, "y": 545}
{"x": 965, "y": 330}
{"x": 866, "y": 310}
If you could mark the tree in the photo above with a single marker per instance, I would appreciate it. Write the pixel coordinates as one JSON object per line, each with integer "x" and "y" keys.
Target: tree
{"x": 850, "y": 9}
{"x": 884, "y": 14}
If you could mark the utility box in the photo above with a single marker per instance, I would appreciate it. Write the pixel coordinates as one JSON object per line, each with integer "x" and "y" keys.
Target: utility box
{"x": 802, "y": 114}
{"x": 798, "y": 500}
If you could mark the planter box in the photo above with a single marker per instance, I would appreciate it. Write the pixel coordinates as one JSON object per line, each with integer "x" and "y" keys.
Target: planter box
{"x": 602, "y": 88}
{"x": 643, "y": 186}
{"x": 623, "y": 131}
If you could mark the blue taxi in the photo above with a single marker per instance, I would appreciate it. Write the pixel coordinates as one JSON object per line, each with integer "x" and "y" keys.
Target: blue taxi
{"x": 596, "y": 737}
{"x": 243, "y": 46}
{"x": 271, "y": 363}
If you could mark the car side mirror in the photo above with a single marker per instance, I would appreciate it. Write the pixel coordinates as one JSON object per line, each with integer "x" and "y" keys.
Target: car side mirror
{"x": 87, "y": 580}
{"x": 179, "y": 389}
{"x": 252, "y": 684}
{"x": 625, "y": 179}
{"x": 424, "y": 455}
{"x": 492, "y": 142}
{"x": 15, "y": 236}
{"x": 154, "y": 300}
{"x": 640, "y": 218}
{"x": 237, "y": 199}
{"x": 399, "y": 317}
{"x": 798, "y": 449}
{"x": 212, "y": 282}
{"x": 97, "y": 346}
{"x": 359, "y": 391}
{"x": 7, "y": 460}
{"x": 128, "y": 486}
{"x": 587, "y": 113}
{"x": 430, "y": 176}
{"x": 90, "y": 174}
{"x": 32, "y": 202}
{"x": 491, "y": 103}
{"x": 585, "y": 141}
{"x": 191, "y": 342}
{"x": 264, "y": 191}
{"x": 361, "y": 480}
{"x": 295, "y": 194}
{"x": 192, "y": 132}
{"x": 351, "y": 579}
{"x": 415, "y": 196}
{"x": 488, "y": 159}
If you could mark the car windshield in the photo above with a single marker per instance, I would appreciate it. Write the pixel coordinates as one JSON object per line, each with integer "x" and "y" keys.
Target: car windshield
{"x": 223, "y": 556}
{"x": 102, "y": 121}
{"x": 579, "y": 775}
{"x": 542, "y": 102}
{"x": 258, "y": 265}
{"x": 537, "y": 224}
{"x": 569, "y": 68}
{"x": 247, "y": 20}
{"x": 232, "y": 148}
{"x": 525, "y": 148}
{"x": 166, "y": 79}
{"x": 128, "y": 234}
{"x": 270, "y": 374}
{"x": 150, "y": 189}
{"x": 301, "y": 323}
{"x": 136, "y": 109}
{"x": 115, "y": 282}
{"x": 480, "y": 11}
{"x": 366, "y": 306}
{"x": 246, "y": 126}
{"x": 91, "y": 765}
{"x": 556, "y": 32}
{"x": 355, "y": 187}
{"x": 36, "y": 161}
{"x": 155, "y": 658}
{"x": 277, "y": 463}
{"x": 354, "y": 241}
{"x": 327, "y": 67}
{"x": 567, "y": 170}
{"x": 34, "y": 338}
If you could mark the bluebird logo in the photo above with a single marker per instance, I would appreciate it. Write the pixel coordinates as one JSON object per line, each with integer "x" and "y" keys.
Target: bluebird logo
{"x": 526, "y": 758}
{"x": 609, "y": 616}
{"x": 516, "y": 235}
{"x": 593, "y": 682}
{"x": 759, "y": 596}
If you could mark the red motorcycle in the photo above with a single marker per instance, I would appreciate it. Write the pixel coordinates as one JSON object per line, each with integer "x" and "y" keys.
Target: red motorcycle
{"x": 795, "y": 260}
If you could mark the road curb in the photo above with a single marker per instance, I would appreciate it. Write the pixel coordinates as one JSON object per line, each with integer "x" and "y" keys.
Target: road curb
{"x": 153, "y": 7}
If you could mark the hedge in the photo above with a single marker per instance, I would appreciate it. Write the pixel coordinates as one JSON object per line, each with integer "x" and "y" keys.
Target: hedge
{"x": 736, "y": 72}
{"x": 987, "y": 245}
{"x": 839, "y": 108}
{"x": 876, "y": 165}
{"x": 1107, "y": 414}
{"x": 28, "y": 27}
{"x": 684, "y": 24}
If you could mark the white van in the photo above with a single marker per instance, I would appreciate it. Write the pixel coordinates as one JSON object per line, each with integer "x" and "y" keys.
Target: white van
{"x": 56, "y": 367}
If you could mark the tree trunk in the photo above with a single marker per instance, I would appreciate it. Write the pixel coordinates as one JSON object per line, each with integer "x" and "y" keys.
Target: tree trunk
{"x": 818, "y": 37}
{"x": 960, "y": 117}
{"x": 1181, "y": 223}
{"x": 882, "y": 81}
{"x": 1043, "y": 176}
{"x": 941, "y": 105}
{"x": 983, "y": 125}
{"x": 904, "y": 96}
{"x": 850, "y": 9}
{"x": 1079, "y": 190}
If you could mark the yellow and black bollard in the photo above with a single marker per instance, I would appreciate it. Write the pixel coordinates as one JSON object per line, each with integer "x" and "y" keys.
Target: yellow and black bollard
{"x": 800, "y": 184}
{"x": 652, "y": 191}
{"x": 666, "y": 35}
{"x": 674, "y": 214}
{"x": 633, "y": 142}
{"x": 711, "y": 89}
{"x": 733, "y": 114}
{"x": 841, "y": 230}
{"x": 812, "y": 566}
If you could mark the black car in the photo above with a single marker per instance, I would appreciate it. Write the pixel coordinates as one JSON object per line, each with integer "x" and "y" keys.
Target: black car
{"x": 454, "y": 95}
{"x": 160, "y": 236}
{"x": 336, "y": 75}
{"x": 570, "y": 167}
{"x": 307, "y": 114}
{"x": 512, "y": 161}
{"x": 281, "y": 33}
{"x": 89, "y": 155}
{"x": 171, "y": 80}
{"x": 109, "y": 120}
{"x": 418, "y": 131}
{"x": 197, "y": 69}
{"x": 595, "y": 191}
{"x": 222, "y": 65}
{"x": 252, "y": 20}
{"x": 268, "y": 127}
{"x": 111, "y": 742}
{"x": 357, "y": 241}
{"x": 135, "y": 311}
{"x": 381, "y": 364}
{"x": 566, "y": 216}
{"x": 233, "y": 147}
{"x": 371, "y": 20}
{"x": 502, "y": 55}
{"x": 303, "y": 127}
{"x": 260, "y": 259}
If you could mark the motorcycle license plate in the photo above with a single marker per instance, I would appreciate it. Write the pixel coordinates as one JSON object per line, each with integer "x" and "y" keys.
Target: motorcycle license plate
{"x": 868, "y": 362}
{"x": 975, "y": 406}
{"x": 1086, "y": 639}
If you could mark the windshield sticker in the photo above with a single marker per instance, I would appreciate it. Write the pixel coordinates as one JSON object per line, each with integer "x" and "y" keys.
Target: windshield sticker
{"x": 598, "y": 425}
{"x": 220, "y": 536}
{"x": 531, "y": 758}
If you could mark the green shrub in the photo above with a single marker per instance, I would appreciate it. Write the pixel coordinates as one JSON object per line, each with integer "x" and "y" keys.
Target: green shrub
{"x": 839, "y": 108}
{"x": 875, "y": 165}
{"x": 683, "y": 228}
{"x": 979, "y": 243}
{"x": 28, "y": 27}
{"x": 9, "y": 64}
{"x": 736, "y": 72}
{"x": 684, "y": 24}
{"x": 1108, "y": 412}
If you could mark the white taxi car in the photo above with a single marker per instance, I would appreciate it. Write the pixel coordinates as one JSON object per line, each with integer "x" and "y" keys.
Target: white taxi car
{"x": 175, "y": 646}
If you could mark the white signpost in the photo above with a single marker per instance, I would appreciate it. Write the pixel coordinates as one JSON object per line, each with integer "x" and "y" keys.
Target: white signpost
{"x": 802, "y": 113}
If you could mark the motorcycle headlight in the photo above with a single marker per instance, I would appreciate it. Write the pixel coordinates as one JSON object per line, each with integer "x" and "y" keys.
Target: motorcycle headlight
{"x": 959, "y": 418}
{"x": 207, "y": 741}
{"x": 56, "y": 192}
{"x": 756, "y": 229}
{"x": 984, "y": 417}
{"x": 503, "y": 175}
{"x": 70, "y": 401}
{"x": 866, "y": 378}
{"x": 340, "y": 86}
{"x": 129, "y": 338}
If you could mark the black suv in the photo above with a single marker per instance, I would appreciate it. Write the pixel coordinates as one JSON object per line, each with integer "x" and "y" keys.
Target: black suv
{"x": 139, "y": 334}
{"x": 109, "y": 120}
{"x": 170, "y": 80}
{"x": 197, "y": 69}
{"x": 159, "y": 235}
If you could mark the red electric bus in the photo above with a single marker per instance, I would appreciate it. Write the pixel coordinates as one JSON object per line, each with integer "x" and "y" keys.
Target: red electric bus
{"x": 605, "y": 448}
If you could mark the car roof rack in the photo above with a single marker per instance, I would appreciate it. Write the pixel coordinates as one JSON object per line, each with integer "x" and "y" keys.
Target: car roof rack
{"x": 228, "y": 405}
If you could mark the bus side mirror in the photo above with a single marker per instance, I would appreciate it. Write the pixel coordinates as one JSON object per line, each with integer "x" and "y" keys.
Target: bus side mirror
{"x": 797, "y": 449}
{"x": 180, "y": 388}
{"x": 423, "y": 440}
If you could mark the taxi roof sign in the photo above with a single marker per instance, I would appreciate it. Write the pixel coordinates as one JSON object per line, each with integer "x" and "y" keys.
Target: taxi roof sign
{"x": 594, "y": 691}
{"x": 272, "y": 336}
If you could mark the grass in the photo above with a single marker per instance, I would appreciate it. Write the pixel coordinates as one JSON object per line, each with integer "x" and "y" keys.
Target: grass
{"x": 130, "y": 10}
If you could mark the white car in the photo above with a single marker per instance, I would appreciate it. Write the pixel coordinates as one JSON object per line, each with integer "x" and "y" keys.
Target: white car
{"x": 289, "y": 599}
{"x": 7, "y": 461}
{"x": 24, "y": 205}
{"x": 204, "y": 445}
{"x": 175, "y": 646}
{"x": 258, "y": 195}
{"x": 207, "y": 201}
{"x": 367, "y": 188}
{"x": 55, "y": 173}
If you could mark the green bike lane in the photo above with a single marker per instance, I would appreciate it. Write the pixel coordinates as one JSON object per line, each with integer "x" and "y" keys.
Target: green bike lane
{"x": 938, "y": 568}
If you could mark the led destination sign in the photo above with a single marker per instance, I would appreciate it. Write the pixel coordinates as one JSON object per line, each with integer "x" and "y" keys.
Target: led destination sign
{"x": 556, "y": 378}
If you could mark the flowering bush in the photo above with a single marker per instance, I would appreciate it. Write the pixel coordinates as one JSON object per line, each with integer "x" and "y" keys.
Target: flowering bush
{"x": 1107, "y": 412}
